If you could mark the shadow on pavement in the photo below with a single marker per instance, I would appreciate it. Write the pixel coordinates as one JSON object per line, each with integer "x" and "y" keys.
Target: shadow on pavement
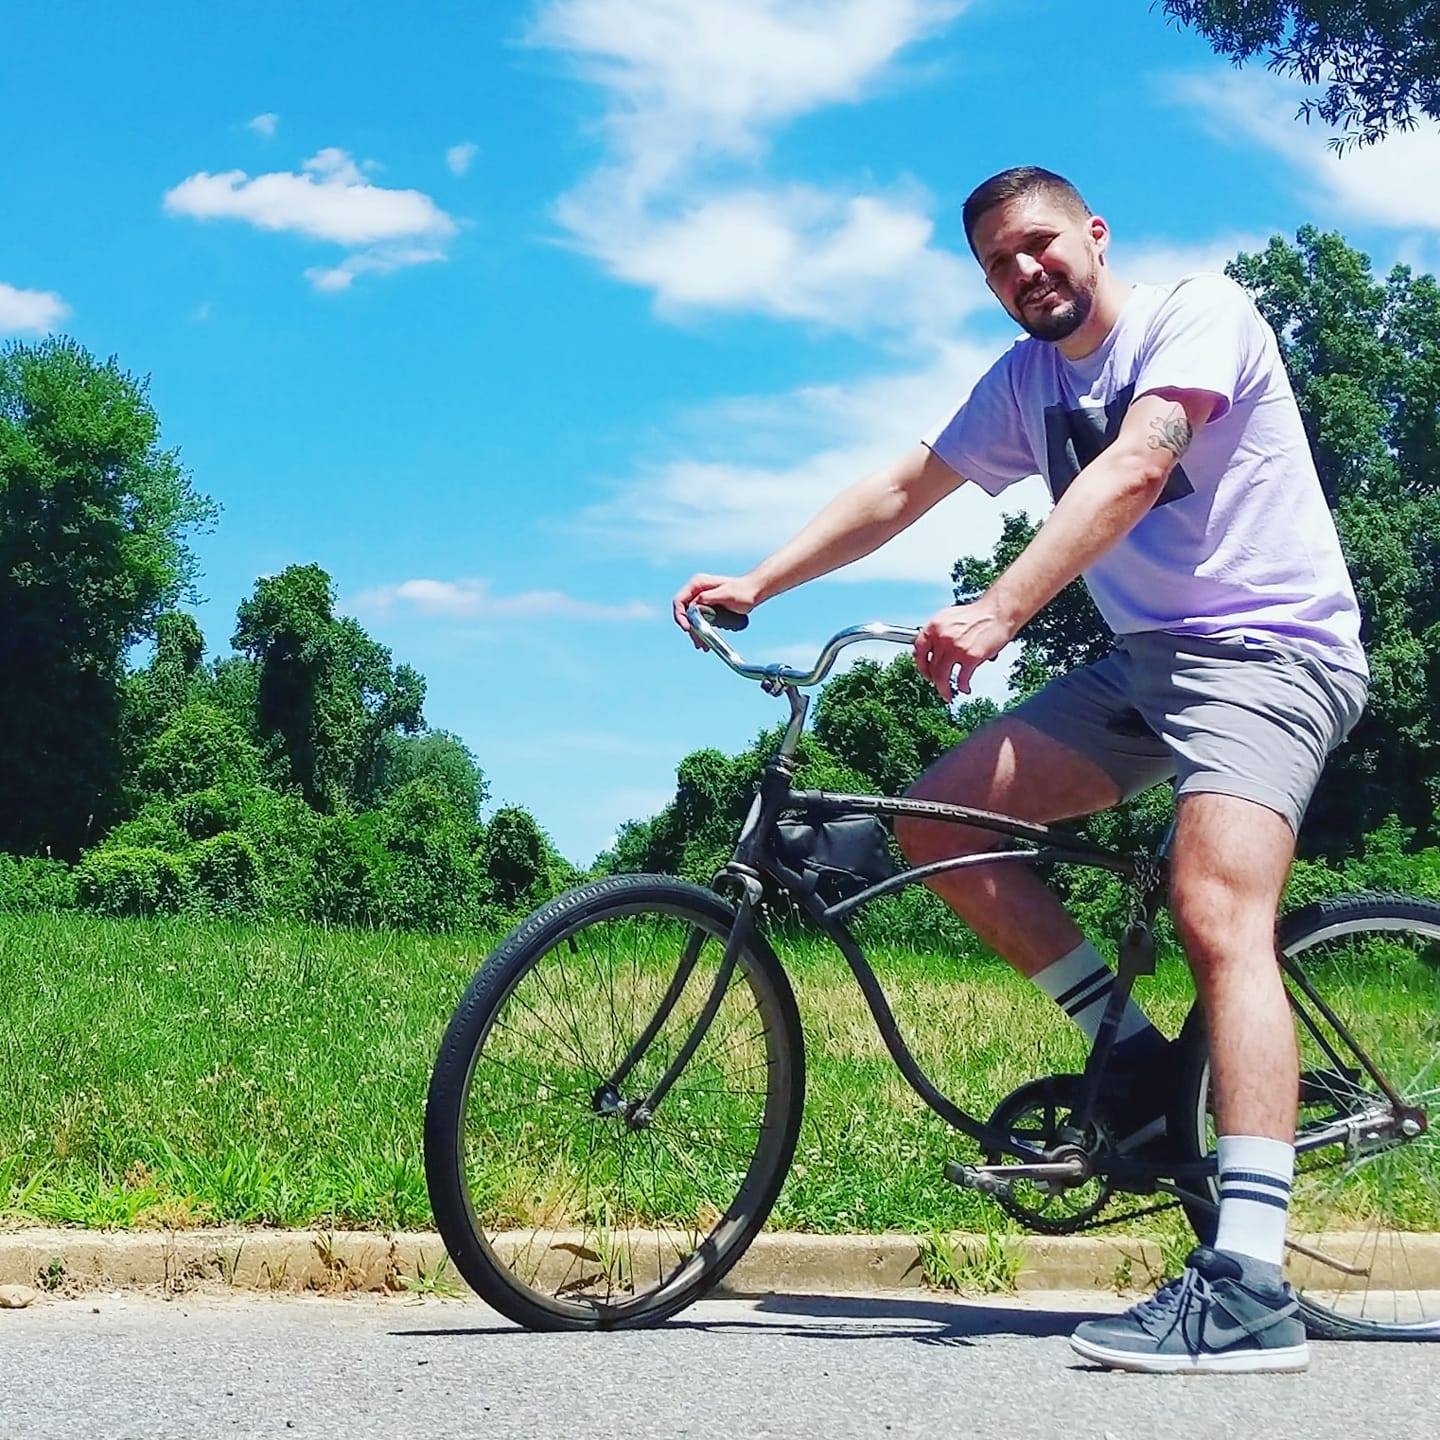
{"x": 926, "y": 1321}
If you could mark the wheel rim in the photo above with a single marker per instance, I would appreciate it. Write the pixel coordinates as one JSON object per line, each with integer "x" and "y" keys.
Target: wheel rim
{"x": 1366, "y": 1211}
{"x": 584, "y": 1215}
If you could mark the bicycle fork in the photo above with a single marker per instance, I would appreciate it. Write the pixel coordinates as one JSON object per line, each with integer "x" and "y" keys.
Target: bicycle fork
{"x": 637, "y": 1114}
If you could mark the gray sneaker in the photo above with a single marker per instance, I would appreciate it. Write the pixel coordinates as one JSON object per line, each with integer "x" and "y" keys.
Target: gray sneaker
{"x": 1210, "y": 1318}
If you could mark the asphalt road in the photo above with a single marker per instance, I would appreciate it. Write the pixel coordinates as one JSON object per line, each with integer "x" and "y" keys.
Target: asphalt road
{"x": 905, "y": 1365}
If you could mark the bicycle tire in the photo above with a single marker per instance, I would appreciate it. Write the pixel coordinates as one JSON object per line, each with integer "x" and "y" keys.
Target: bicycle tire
{"x": 571, "y": 919}
{"x": 1389, "y": 927}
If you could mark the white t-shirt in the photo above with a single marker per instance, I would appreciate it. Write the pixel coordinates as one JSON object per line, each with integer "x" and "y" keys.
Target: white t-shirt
{"x": 1240, "y": 542}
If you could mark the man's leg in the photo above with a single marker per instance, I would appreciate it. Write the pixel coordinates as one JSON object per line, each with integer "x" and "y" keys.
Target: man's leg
{"x": 1228, "y": 867}
{"x": 1015, "y": 769}
{"x": 1230, "y": 1310}
{"x": 1229, "y": 864}
{"x": 1010, "y": 767}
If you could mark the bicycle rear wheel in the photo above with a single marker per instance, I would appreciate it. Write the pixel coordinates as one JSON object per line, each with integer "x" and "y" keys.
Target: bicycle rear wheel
{"x": 1365, "y": 1209}
{"x": 558, "y": 1204}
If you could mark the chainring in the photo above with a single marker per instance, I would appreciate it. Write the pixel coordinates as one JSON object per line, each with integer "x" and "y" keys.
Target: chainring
{"x": 1035, "y": 1115}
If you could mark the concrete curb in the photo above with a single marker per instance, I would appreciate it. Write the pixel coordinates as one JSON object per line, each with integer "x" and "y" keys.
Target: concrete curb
{"x": 70, "y": 1262}
{"x": 337, "y": 1262}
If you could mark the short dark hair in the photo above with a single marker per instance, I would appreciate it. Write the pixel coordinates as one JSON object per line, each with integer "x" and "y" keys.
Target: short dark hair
{"x": 1013, "y": 183}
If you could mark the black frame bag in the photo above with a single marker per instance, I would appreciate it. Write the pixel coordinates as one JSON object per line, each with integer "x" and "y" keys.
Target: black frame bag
{"x": 838, "y": 857}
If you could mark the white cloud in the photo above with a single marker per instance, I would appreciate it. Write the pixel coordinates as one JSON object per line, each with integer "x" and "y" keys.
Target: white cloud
{"x": 692, "y": 84}
{"x": 379, "y": 260}
{"x": 460, "y": 157}
{"x": 691, "y": 77}
{"x": 263, "y": 124}
{"x": 34, "y": 311}
{"x": 329, "y": 199}
{"x": 726, "y": 504}
{"x": 1156, "y": 262}
{"x": 850, "y": 261}
{"x": 1392, "y": 183}
{"x": 473, "y": 599}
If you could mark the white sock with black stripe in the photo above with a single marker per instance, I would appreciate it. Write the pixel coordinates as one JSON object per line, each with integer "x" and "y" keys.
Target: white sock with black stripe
{"x": 1080, "y": 984}
{"x": 1255, "y": 1179}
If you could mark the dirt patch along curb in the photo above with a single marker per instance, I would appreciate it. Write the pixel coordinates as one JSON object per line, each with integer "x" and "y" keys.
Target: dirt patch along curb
{"x": 338, "y": 1262}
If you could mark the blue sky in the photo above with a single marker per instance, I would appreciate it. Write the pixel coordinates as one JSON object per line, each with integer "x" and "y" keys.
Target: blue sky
{"x": 514, "y": 316}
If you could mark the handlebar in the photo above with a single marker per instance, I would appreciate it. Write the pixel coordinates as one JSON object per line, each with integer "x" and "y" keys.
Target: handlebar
{"x": 704, "y": 619}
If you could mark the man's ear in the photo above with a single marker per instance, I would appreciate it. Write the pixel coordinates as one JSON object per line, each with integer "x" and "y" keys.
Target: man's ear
{"x": 1100, "y": 234}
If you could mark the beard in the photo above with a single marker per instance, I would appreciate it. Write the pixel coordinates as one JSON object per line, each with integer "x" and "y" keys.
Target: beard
{"x": 1062, "y": 321}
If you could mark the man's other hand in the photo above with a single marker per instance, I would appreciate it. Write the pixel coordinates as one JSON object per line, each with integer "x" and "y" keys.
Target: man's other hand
{"x": 960, "y": 639}
{"x": 732, "y": 592}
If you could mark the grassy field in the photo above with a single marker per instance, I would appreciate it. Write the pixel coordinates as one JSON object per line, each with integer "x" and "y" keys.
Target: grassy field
{"x": 166, "y": 1073}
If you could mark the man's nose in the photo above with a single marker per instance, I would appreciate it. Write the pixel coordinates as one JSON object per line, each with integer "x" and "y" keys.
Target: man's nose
{"x": 1027, "y": 267}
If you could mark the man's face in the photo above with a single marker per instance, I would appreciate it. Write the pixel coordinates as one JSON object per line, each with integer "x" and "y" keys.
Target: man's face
{"x": 1043, "y": 263}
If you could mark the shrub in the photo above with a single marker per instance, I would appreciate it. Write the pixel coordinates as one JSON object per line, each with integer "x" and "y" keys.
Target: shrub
{"x": 207, "y": 813}
{"x": 200, "y": 748}
{"x": 285, "y": 832}
{"x": 226, "y": 877}
{"x": 433, "y": 880}
{"x": 1386, "y": 862}
{"x": 118, "y": 880}
{"x": 31, "y": 882}
{"x": 154, "y": 828}
{"x": 521, "y": 864}
{"x": 347, "y": 879}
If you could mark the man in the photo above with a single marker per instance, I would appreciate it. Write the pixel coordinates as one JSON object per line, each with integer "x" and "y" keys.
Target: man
{"x": 1185, "y": 493}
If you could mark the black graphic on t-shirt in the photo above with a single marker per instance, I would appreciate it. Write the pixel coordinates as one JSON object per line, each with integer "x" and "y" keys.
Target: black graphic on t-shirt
{"x": 1073, "y": 438}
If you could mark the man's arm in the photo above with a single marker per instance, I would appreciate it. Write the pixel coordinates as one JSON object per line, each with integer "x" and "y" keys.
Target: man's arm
{"x": 858, "y": 520}
{"x": 1103, "y": 502}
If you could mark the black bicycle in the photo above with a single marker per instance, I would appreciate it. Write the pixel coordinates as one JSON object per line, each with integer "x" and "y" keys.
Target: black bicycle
{"x": 617, "y": 1099}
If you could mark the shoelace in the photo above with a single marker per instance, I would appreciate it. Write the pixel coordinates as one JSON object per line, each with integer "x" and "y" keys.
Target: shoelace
{"x": 1172, "y": 1302}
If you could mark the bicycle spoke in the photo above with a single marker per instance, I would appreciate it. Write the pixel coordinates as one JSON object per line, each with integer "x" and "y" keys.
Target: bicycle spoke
{"x": 547, "y": 1158}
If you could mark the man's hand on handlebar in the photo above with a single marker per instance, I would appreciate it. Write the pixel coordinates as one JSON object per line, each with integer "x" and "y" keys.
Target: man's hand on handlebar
{"x": 732, "y": 592}
{"x": 963, "y": 637}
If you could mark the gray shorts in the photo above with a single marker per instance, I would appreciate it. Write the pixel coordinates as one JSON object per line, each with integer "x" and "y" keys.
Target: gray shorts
{"x": 1226, "y": 717}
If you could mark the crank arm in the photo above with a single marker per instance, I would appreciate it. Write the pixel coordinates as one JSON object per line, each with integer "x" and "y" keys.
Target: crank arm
{"x": 997, "y": 1179}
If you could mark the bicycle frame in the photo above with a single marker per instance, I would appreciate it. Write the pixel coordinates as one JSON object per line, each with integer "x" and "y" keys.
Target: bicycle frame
{"x": 756, "y": 859}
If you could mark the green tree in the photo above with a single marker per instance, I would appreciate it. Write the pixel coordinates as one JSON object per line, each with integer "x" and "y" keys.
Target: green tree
{"x": 439, "y": 756}
{"x": 200, "y": 748}
{"x": 94, "y": 516}
{"x": 433, "y": 880}
{"x": 887, "y": 722}
{"x": 153, "y": 695}
{"x": 1067, "y": 633}
{"x": 1364, "y": 359}
{"x": 1378, "y": 60}
{"x": 327, "y": 694}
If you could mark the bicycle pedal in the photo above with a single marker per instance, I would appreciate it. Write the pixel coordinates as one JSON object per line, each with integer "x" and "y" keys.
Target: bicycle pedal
{"x": 976, "y": 1177}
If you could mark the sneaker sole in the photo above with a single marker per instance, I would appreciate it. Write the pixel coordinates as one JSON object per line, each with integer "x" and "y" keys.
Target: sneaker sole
{"x": 1282, "y": 1359}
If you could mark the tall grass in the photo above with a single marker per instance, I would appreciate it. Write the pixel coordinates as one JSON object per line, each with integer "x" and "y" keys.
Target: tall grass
{"x": 168, "y": 1072}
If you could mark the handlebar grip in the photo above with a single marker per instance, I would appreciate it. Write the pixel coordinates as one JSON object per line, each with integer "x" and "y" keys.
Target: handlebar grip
{"x": 723, "y": 619}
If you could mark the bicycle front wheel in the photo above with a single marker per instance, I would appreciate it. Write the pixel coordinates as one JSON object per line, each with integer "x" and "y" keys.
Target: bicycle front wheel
{"x": 1363, "y": 976}
{"x": 561, "y": 1201}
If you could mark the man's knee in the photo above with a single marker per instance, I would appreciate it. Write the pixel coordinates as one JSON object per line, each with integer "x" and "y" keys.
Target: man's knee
{"x": 1228, "y": 868}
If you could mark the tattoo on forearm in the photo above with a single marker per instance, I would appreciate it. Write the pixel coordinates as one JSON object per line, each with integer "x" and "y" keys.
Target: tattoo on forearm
{"x": 1173, "y": 435}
